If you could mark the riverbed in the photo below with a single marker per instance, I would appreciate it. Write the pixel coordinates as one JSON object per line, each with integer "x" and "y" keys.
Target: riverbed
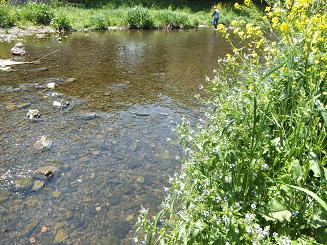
{"x": 122, "y": 94}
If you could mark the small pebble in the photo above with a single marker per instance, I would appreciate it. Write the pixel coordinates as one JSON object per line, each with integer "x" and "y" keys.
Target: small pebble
{"x": 98, "y": 209}
{"x": 44, "y": 229}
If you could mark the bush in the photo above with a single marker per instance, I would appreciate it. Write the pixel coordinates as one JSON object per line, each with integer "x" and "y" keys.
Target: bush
{"x": 256, "y": 171}
{"x": 6, "y": 18}
{"x": 172, "y": 19}
{"x": 99, "y": 22}
{"x": 61, "y": 23}
{"x": 38, "y": 13}
{"x": 139, "y": 17}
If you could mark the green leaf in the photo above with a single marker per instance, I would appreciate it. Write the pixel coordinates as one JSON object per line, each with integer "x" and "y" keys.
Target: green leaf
{"x": 281, "y": 215}
{"x": 278, "y": 211}
{"x": 314, "y": 164}
{"x": 297, "y": 171}
{"x": 310, "y": 193}
{"x": 322, "y": 111}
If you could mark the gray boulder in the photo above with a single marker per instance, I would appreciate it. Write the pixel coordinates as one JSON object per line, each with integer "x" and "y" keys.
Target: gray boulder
{"x": 18, "y": 49}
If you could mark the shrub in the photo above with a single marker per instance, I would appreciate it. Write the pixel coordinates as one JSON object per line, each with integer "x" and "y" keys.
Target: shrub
{"x": 38, "y": 13}
{"x": 6, "y": 18}
{"x": 61, "y": 22}
{"x": 139, "y": 17}
{"x": 99, "y": 22}
{"x": 172, "y": 19}
{"x": 256, "y": 171}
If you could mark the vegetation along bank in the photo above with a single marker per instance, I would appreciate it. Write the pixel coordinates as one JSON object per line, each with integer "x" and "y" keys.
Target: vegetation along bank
{"x": 65, "y": 16}
{"x": 255, "y": 170}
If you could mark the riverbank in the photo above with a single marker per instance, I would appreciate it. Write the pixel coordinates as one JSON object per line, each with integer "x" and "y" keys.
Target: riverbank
{"x": 40, "y": 17}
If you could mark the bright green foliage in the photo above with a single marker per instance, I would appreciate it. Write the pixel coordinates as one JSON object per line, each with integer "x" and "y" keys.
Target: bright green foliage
{"x": 38, "y": 13}
{"x": 139, "y": 17}
{"x": 6, "y": 17}
{"x": 99, "y": 22}
{"x": 61, "y": 22}
{"x": 255, "y": 172}
{"x": 173, "y": 19}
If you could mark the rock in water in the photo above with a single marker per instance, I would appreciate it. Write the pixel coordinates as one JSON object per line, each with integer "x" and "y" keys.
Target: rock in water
{"x": 43, "y": 144}
{"x": 45, "y": 172}
{"x": 69, "y": 80}
{"x": 56, "y": 104}
{"x": 51, "y": 85}
{"x": 33, "y": 115}
{"x": 38, "y": 185}
{"x": 23, "y": 184}
{"x": 60, "y": 237}
{"x": 18, "y": 49}
{"x": 89, "y": 116}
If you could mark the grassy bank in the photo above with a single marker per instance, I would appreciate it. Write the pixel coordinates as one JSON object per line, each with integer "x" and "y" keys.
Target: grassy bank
{"x": 256, "y": 166}
{"x": 69, "y": 17}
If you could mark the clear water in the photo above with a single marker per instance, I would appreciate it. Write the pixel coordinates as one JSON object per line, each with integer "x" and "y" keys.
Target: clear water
{"x": 140, "y": 84}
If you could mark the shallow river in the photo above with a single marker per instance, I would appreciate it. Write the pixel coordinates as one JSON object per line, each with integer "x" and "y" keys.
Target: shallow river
{"x": 110, "y": 146}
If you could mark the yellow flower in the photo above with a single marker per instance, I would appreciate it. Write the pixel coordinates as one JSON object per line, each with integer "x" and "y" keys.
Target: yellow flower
{"x": 267, "y": 9}
{"x": 221, "y": 28}
{"x": 237, "y": 6}
{"x": 247, "y": 2}
{"x": 274, "y": 21}
{"x": 228, "y": 56}
{"x": 234, "y": 23}
{"x": 284, "y": 27}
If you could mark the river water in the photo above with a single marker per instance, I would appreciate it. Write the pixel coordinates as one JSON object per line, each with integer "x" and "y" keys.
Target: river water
{"x": 110, "y": 146}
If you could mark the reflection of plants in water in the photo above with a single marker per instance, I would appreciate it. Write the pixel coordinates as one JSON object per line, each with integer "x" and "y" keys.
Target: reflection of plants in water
{"x": 256, "y": 173}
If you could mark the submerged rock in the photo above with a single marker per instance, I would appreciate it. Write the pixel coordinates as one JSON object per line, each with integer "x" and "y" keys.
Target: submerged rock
{"x": 56, "y": 194}
{"x": 89, "y": 116}
{"x": 18, "y": 49}
{"x": 140, "y": 179}
{"x": 24, "y": 184}
{"x": 45, "y": 172}
{"x": 4, "y": 195}
{"x": 61, "y": 236}
{"x": 38, "y": 185}
{"x": 43, "y": 144}
{"x": 33, "y": 114}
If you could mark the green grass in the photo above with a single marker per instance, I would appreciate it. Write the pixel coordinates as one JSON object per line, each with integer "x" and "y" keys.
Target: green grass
{"x": 78, "y": 17}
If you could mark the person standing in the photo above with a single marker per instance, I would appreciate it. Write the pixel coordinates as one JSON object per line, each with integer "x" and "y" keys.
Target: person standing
{"x": 215, "y": 16}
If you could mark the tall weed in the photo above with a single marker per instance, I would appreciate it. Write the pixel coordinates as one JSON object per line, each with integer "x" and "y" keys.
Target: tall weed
{"x": 139, "y": 17}
{"x": 6, "y": 17}
{"x": 255, "y": 172}
{"x": 38, "y": 13}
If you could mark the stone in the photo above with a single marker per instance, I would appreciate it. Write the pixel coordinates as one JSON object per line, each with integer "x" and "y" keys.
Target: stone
{"x": 24, "y": 184}
{"x": 60, "y": 236}
{"x": 56, "y": 104}
{"x": 56, "y": 194}
{"x": 43, "y": 144}
{"x": 28, "y": 228}
{"x": 140, "y": 179}
{"x": 51, "y": 85}
{"x": 89, "y": 116}
{"x": 69, "y": 80}
{"x": 129, "y": 218}
{"x": 33, "y": 114}
{"x": 38, "y": 185}
{"x": 18, "y": 49}
{"x": 4, "y": 196}
{"x": 40, "y": 69}
{"x": 32, "y": 240}
{"x": 44, "y": 229}
{"x": 98, "y": 209}
{"x": 45, "y": 172}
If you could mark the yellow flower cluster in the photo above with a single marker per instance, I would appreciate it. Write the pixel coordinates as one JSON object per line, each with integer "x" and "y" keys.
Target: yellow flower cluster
{"x": 247, "y": 2}
{"x": 237, "y": 6}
